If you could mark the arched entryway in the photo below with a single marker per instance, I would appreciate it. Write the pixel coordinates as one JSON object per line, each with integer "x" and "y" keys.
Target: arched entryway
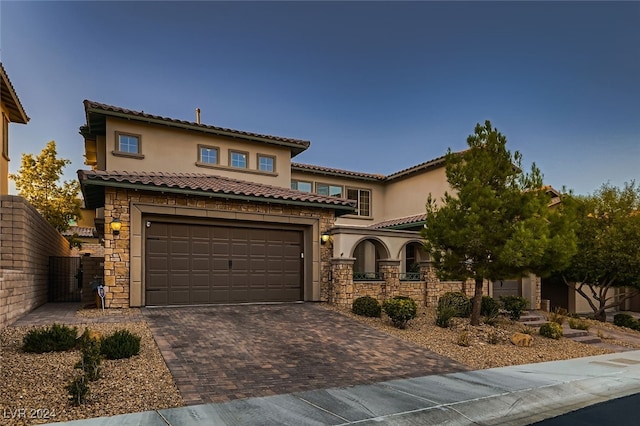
{"x": 367, "y": 253}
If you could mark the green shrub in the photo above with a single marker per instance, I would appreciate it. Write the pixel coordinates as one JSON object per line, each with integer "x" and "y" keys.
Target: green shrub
{"x": 91, "y": 356}
{"x": 578, "y": 324}
{"x": 121, "y": 344}
{"x": 490, "y": 307}
{"x": 400, "y": 309}
{"x": 366, "y": 306}
{"x": 57, "y": 338}
{"x": 444, "y": 315}
{"x": 515, "y": 305}
{"x": 558, "y": 315}
{"x": 625, "y": 320}
{"x": 458, "y": 301}
{"x": 552, "y": 330}
{"x": 78, "y": 390}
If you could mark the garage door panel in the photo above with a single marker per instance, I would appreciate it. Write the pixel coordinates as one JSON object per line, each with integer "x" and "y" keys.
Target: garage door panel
{"x": 197, "y": 264}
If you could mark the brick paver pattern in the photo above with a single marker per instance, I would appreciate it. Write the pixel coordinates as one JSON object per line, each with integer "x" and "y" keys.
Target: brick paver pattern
{"x": 222, "y": 353}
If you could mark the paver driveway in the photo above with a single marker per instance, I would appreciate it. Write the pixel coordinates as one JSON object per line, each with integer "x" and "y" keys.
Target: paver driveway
{"x": 221, "y": 353}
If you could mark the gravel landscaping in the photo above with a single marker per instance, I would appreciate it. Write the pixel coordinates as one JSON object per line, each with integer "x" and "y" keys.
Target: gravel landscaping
{"x": 35, "y": 382}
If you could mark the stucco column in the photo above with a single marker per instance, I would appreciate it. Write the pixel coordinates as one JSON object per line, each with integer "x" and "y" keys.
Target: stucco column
{"x": 390, "y": 271}
{"x": 341, "y": 292}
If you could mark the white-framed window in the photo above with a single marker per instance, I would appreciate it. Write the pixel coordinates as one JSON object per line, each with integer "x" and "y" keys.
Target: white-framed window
{"x": 301, "y": 185}
{"x": 238, "y": 159}
{"x": 363, "y": 199}
{"x": 330, "y": 190}
{"x": 266, "y": 163}
{"x": 128, "y": 143}
{"x": 208, "y": 154}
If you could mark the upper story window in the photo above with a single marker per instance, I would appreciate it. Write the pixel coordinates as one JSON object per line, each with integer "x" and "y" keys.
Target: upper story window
{"x": 238, "y": 159}
{"x": 330, "y": 190}
{"x": 208, "y": 154}
{"x": 266, "y": 163}
{"x": 363, "y": 199}
{"x": 129, "y": 143}
{"x": 301, "y": 185}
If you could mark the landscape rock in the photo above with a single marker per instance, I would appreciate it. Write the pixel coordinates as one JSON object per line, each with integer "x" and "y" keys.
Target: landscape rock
{"x": 522, "y": 340}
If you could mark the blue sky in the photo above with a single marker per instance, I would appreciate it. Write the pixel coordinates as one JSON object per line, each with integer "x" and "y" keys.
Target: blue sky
{"x": 375, "y": 86}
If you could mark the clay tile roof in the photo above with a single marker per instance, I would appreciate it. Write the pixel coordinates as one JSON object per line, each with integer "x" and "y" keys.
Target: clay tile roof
{"x": 335, "y": 172}
{"x": 10, "y": 99}
{"x": 399, "y": 221}
{"x": 436, "y": 162}
{"x": 204, "y": 184}
{"x": 81, "y": 231}
{"x": 297, "y": 145}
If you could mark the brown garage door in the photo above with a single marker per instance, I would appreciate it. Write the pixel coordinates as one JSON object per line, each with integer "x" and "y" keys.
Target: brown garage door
{"x": 202, "y": 264}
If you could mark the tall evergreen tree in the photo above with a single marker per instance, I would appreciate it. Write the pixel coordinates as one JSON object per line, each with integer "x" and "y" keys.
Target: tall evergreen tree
{"x": 496, "y": 223}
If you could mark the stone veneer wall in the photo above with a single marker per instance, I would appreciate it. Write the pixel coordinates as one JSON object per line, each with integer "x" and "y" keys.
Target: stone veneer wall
{"x": 425, "y": 292}
{"x": 26, "y": 242}
{"x": 117, "y": 250}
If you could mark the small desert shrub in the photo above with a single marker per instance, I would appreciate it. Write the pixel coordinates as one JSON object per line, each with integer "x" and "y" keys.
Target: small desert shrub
{"x": 558, "y": 315}
{"x": 463, "y": 339}
{"x": 366, "y": 306}
{"x": 552, "y": 330}
{"x": 91, "y": 356}
{"x": 56, "y": 338}
{"x": 121, "y": 344}
{"x": 400, "y": 309}
{"x": 458, "y": 301}
{"x": 515, "y": 305}
{"x": 78, "y": 390}
{"x": 444, "y": 315}
{"x": 578, "y": 324}
{"x": 490, "y": 307}
{"x": 625, "y": 320}
{"x": 493, "y": 338}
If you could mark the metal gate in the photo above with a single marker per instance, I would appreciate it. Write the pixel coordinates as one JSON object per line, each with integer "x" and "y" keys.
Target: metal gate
{"x": 65, "y": 279}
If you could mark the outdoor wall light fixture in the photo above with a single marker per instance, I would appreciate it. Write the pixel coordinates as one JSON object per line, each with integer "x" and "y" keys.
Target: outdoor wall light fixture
{"x": 115, "y": 226}
{"x": 325, "y": 238}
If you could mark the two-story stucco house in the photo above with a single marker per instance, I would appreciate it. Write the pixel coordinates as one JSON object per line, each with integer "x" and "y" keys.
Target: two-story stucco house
{"x": 198, "y": 214}
{"x": 12, "y": 112}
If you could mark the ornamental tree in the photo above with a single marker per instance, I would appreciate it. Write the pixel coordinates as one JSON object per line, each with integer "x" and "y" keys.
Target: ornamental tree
{"x": 608, "y": 255}
{"x": 37, "y": 181}
{"x": 496, "y": 223}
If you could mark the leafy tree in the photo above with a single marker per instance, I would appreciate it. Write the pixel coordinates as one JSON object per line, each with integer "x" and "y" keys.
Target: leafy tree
{"x": 497, "y": 223}
{"x": 608, "y": 255}
{"x": 37, "y": 181}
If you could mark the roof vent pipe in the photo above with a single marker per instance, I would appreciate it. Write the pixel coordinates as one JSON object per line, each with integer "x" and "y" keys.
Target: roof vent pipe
{"x": 198, "y": 115}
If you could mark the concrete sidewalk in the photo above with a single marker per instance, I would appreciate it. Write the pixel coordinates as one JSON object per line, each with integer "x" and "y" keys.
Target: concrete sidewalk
{"x": 516, "y": 395}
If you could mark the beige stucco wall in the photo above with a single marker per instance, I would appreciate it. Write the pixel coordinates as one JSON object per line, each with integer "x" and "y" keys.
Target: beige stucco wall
{"x": 176, "y": 151}
{"x": 377, "y": 195}
{"x": 124, "y": 254}
{"x": 408, "y": 196}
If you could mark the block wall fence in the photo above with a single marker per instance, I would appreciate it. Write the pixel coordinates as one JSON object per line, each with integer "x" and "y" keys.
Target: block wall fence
{"x": 26, "y": 242}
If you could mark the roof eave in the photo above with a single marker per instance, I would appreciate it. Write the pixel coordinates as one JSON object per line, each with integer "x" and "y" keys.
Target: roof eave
{"x": 17, "y": 113}
{"x": 337, "y": 174}
{"x": 294, "y": 148}
{"x": 340, "y": 210}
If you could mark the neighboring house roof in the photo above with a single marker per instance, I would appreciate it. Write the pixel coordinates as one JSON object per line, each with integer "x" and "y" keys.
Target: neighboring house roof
{"x": 401, "y": 222}
{"x": 96, "y": 113}
{"x": 81, "y": 231}
{"x": 10, "y": 99}
{"x": 335, "y": 172}
{"x": 427, "y": 165}
{"x": 94, "y": 181}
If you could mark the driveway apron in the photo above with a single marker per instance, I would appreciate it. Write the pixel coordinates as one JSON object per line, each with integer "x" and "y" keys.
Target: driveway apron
{"x": 223, "y": 353}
